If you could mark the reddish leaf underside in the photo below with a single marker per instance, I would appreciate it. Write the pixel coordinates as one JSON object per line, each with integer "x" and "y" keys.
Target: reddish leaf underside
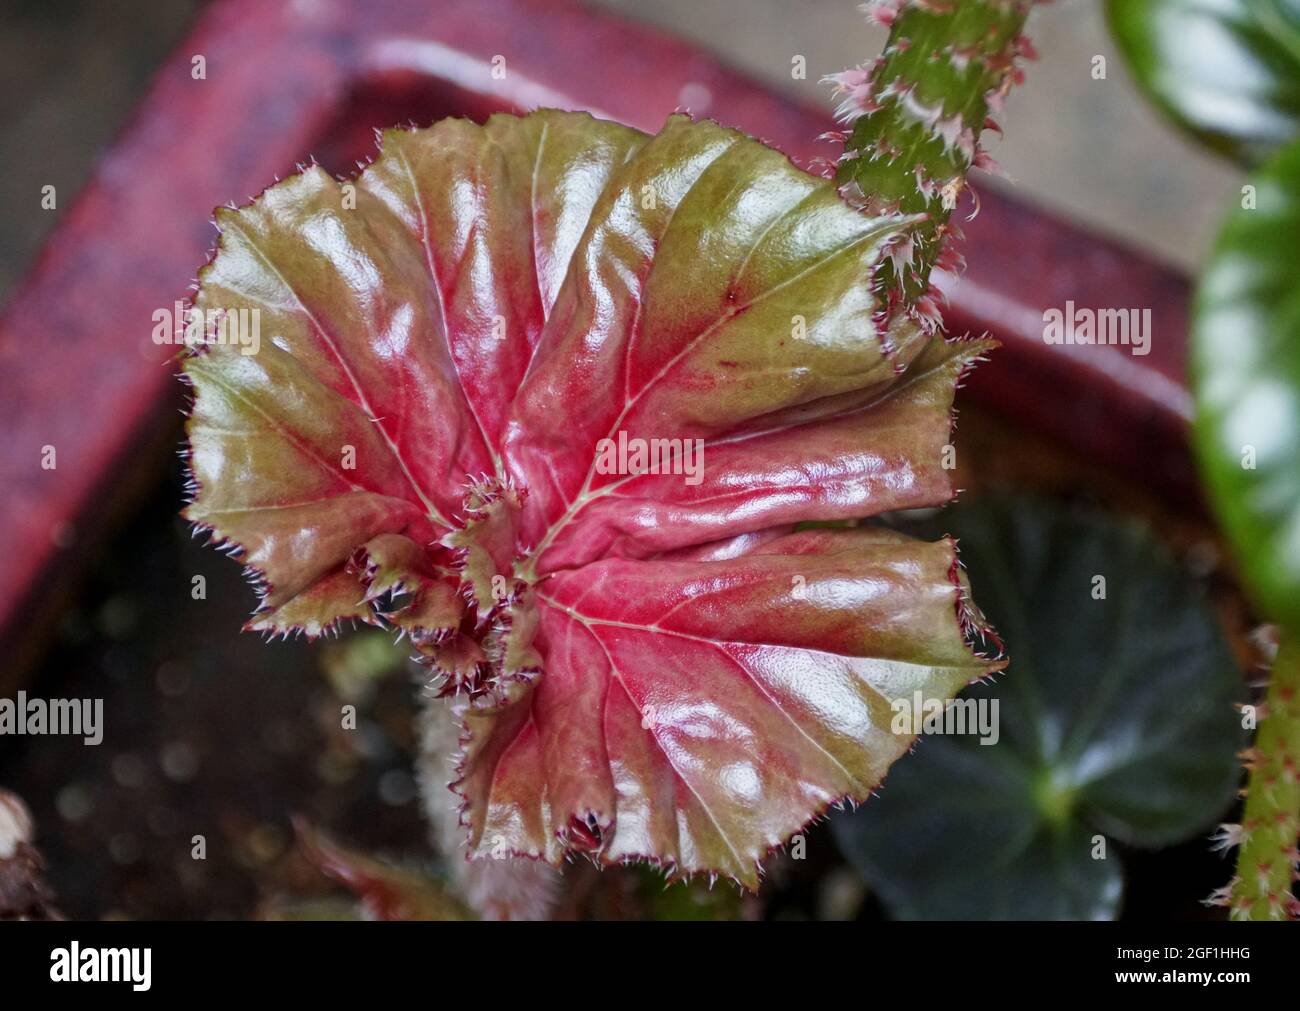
{"x": 649, "y": 662}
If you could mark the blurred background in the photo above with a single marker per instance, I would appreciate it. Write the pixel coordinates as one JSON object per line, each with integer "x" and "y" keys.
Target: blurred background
{"x": 1083, "y": 148}
{"x": 219, "y": 735}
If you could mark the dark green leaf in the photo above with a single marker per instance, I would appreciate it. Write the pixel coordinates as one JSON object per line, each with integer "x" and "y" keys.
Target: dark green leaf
{"x": 1115, "y": 715}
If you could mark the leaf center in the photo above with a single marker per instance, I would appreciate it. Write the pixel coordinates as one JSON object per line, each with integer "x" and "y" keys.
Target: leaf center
{"x": 1055, "y": 796}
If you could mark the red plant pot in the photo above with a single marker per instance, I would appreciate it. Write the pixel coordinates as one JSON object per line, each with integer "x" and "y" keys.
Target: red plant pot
{"x": 287, "y": 81}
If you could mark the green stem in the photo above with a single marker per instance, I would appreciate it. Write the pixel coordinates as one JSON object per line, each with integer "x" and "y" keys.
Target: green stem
{"x": 919, "y": 112}
{"x": 1271, "y": 822}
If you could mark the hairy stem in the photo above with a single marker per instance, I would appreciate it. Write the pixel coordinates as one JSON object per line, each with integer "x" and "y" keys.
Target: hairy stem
{"x": 1267, "y": 860}
{"x": 918, "y": 112}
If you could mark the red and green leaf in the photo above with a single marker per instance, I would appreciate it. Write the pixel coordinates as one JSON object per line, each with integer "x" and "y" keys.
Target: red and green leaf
{"x": 648, "y": 664}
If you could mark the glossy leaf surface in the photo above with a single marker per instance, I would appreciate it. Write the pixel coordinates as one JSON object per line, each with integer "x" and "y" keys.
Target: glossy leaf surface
{"x": 549, "y": 395}
{"x": 1246, "y": 377}
{"x": 1115, "y": 720}
{"x": 1228, "y": 71}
